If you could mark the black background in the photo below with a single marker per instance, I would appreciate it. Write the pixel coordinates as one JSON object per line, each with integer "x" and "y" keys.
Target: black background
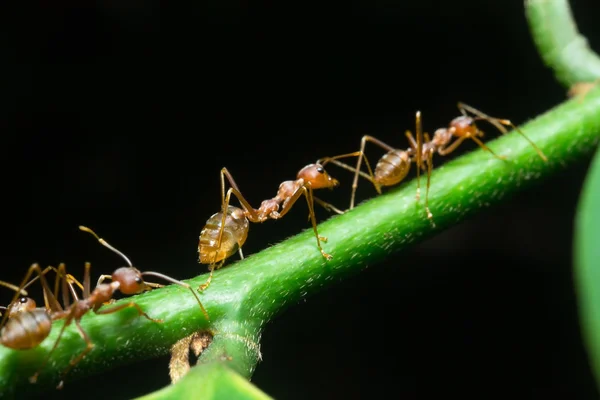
{"x": 119, "y": 114}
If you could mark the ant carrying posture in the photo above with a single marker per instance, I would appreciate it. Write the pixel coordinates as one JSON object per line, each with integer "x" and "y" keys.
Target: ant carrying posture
{"x": 127, "y": 280}
{"x": 220, "y": 239}
{"x": 393, "y": 166}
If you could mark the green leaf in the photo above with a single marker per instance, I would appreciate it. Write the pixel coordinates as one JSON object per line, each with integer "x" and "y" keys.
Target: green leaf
{"x": 210, "y": 381}
{"x": 587, "y": 263}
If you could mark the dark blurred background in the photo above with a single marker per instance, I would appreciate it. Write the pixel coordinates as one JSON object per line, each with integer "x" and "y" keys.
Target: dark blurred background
{"x": 119, "y": 114}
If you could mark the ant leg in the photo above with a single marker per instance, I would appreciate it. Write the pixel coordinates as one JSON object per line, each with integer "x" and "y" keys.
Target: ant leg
{"x": 445, "y": 149}
{"x": 287, "y": 205}
{"x": 110, "y": 310}
{"x": 103, "y": 278}
{"x": 252, "y": 215}
{"x": 361, "y": 155}
{"x": 88, "y": 347}
{"x": 212, "y": 268}
{"x": 500, "y": 124}
{"x": 484, "y": 147}
{"x": 370, "y": 176}
{"x": 86, "y": 280}
{"x": 328, "y": 206}
{"x": 417, "y": 147}
{"x": 176, "y": 282}
{"x": 419, "y": 129}
{"x": 350, "y": 168}
{"x": 50, "y": 302}
{"x": 61, "y": 282}
{"x": 429, "y": 168}
{"x": 515, "y": 128}
{"x": 68, "y": 319}
{"x": 323, "y": 161}
{"x": 67, "y": 281}
{"x": 363, "y": 143}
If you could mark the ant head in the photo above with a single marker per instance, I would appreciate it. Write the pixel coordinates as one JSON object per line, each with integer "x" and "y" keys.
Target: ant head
{"x": 130, "y": 280}
{"x": 22, "y": 305}
{"x": 464, "y": 126}
{"x": 317, "y": 176}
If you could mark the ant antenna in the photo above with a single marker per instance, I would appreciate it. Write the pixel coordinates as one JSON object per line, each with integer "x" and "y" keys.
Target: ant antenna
{"x": 14, "y": 287}
{"x": 180, "y": 283}
{"x": 105, "y": 244}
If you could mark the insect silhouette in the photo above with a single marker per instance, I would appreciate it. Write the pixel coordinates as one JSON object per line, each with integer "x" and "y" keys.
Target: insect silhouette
{"x": 24, "y": 325}
{"x": 221, "y": 239}
{"x": 128, "y": 280}
{"x": 394, "y": 165}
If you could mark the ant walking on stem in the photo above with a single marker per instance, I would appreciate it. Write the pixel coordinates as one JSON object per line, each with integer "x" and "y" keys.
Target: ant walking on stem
{"x": 225, "y": 232}
{"x": 393, "y": 166}
{"x": 128, "y": 280}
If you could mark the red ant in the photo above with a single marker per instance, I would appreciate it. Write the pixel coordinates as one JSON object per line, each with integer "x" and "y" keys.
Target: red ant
{"x": 24, "y": 325}
{"x": 393, "y": 166}
{"x": 127, "y": 280}
{"x": 220, "y": 239}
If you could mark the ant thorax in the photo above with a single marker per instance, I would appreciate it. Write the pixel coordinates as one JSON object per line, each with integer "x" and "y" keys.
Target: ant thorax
{"x": 441, "y": 137}
{"x": 268, "y": 207}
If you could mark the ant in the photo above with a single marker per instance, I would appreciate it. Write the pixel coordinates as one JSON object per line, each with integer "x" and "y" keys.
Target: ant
{"x": 220, "y": 239}
{"x": 127, "y": 280}
{"x": 24, "y": 325}
{"x": 393, "y": 166}
{"x": 234, "y": 233}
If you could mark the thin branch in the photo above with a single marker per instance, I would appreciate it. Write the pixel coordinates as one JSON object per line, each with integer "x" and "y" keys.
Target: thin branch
{"x": 559, "y": 42}
{"x": 246, "y": 295}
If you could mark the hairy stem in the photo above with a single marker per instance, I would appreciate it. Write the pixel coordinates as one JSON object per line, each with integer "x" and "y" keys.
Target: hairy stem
{"x": 559, "y": 43}
{"x": 247, "y": 294}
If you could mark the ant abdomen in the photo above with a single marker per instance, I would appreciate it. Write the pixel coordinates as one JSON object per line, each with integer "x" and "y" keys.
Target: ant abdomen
{"x": 392, "y": 168}
{"x": 26, "y": 330}
{"x": 235, "y": 232}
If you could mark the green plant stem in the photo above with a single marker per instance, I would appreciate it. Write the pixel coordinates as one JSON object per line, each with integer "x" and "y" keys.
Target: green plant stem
{"x": 559, "y": 43}
{"x": 247, "y": 294}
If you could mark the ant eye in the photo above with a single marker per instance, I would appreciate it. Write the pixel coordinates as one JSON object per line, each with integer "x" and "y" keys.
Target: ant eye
{"x": 138, "y": 281}
{"x": 320, "y": 169}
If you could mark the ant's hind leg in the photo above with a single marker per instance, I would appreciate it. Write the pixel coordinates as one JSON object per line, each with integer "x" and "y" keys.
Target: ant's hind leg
{"x": 212, "y": 269}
